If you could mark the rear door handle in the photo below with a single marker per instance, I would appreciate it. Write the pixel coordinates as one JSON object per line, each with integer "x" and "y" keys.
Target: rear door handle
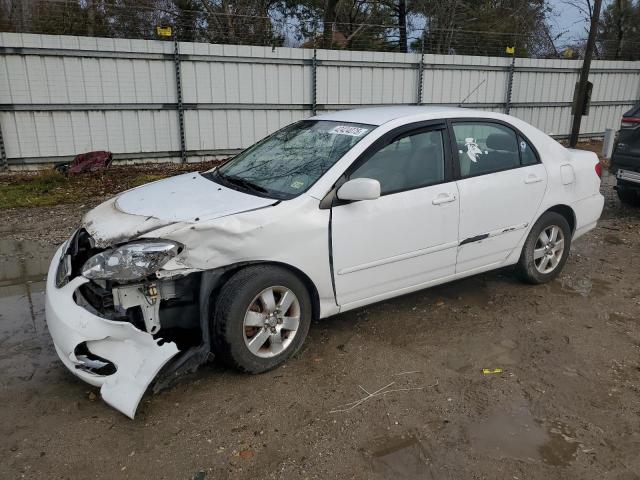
{"x": 532, "y": 178}
{"x": 444, "y": 198}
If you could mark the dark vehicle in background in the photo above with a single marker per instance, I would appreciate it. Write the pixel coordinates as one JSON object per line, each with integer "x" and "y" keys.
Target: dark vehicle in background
{"x": 625, "y": 162}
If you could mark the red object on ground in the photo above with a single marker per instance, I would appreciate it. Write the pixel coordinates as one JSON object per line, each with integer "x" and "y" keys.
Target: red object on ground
{"x": 91, "y": 162}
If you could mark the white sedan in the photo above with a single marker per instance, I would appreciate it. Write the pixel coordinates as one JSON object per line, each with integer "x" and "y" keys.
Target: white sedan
{"x": 327, "y": 214}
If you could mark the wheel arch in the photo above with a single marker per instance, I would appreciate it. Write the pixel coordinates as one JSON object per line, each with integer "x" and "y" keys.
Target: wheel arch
{"x": 567, "y": 212}
{"x": 230, "y": 270}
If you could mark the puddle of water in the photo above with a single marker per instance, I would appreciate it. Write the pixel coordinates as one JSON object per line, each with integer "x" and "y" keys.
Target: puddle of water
{"x": 581, "y": 286}
{"x": 562, "y": 446}
{"x": 22, "y": 261}
{"x": 585, "y": 286}
{"x": 512, "y": 434}
{"x": 25, "y": 346}
{"x": 517, "y": 434}
{"x": 400, "y": 457}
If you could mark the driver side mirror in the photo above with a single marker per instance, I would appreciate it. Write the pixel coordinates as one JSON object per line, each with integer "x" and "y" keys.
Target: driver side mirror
{"x": 360, "y": 189}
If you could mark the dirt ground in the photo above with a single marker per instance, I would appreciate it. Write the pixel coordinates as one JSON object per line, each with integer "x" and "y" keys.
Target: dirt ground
{"x": 566, "y": 405}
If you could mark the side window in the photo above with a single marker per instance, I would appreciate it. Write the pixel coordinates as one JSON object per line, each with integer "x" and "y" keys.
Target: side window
{"x": 411, "y": 161}
{"x": 527, "y": 155}
{"x": 485, "y": 147}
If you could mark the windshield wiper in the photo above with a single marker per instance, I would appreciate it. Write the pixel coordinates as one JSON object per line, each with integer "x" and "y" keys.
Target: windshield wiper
{"x": 248, "y": 184}
{"x": 243, "y": 183}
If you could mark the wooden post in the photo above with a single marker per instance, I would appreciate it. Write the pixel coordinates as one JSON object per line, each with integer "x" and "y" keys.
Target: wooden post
{"x": 584, "y": 75}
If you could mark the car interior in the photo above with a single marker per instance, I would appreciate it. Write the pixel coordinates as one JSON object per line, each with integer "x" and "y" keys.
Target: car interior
{"x": 409, "y": 162}
{"x": 497, "y": 148}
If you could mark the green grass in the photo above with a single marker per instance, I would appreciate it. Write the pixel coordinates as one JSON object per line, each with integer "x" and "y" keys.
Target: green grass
{"x": 52, "y": 188}
{"x": 48, "y": 187}
{"x": 36, "y": 191}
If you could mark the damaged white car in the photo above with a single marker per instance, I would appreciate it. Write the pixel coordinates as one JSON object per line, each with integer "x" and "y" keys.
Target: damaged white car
{"x": 326, "y": 215}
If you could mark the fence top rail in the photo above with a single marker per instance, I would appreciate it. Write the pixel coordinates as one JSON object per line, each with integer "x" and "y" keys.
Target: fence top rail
{"x": 60, "y": 45}
{"x": 431, "y": 62}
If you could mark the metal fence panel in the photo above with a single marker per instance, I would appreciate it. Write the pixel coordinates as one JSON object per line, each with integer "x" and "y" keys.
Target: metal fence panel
{"x": 62, "y": 95}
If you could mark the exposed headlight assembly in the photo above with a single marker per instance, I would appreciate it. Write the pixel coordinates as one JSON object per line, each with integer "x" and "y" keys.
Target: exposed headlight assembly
{"x": 132, "y": 261}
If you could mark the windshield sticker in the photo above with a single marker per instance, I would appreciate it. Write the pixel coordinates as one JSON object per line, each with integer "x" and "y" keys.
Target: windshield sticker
{"x": 473, "y": 150}
{"x": 523, "y": 146}
{"x": 297, "y": 184}
{"x": 347, "y": 130}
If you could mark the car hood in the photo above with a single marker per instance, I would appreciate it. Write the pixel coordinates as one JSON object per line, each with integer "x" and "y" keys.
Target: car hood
{"x": 188, "y": 198}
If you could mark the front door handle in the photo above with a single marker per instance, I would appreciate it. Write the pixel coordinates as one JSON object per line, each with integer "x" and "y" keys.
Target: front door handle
{"x": 532, "y": 178}
{"x": 444, "y": 198}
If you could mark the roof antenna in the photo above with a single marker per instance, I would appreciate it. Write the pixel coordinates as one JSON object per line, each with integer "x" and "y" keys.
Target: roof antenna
{"x": 472, "y": 92}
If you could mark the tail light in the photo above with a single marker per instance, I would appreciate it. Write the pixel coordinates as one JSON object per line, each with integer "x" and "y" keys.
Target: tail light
{"x": 599, "y": 169}
{"x": 630, "y": 122}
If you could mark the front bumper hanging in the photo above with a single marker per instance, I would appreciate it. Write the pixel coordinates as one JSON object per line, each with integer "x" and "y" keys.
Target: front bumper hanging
{"x": 92, "y": 347}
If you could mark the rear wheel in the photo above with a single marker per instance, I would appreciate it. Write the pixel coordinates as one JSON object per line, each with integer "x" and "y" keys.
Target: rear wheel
{"x": 261, "y": 318}
{"x": 546, "y": 249}
{"x": 630, "y": 196}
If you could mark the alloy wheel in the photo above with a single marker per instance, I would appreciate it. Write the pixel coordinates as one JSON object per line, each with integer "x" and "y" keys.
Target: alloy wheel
{"x": 548, "y": 250}
{"x": 271, "y": 321}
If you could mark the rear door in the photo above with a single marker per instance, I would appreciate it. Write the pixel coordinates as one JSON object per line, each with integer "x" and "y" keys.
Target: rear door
{"x": 501, "y": 183}
{"x": 408, "y": 236}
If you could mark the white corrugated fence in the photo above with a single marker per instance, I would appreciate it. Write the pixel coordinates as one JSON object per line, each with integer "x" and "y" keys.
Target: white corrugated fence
{"x": 63, "y": 95}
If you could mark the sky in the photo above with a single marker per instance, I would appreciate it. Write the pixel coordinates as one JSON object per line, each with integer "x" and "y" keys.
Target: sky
{"x": 568, "y": 18}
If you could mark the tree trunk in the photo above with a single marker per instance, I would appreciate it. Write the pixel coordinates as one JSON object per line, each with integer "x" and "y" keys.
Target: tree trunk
{"x": 620, "y": 31}
{"x": 402, "y": 24}
{"x": 18, "y": 13}
{"x": 328, "y": 21}
{"x": 91, "y": 18}
{"x": 584, "y": 74}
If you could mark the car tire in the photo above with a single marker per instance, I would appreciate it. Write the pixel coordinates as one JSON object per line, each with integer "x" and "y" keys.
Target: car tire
{"x": 543, "y": 255}
{"x": 629, "y": 196}
{"x": 254, "y": 323}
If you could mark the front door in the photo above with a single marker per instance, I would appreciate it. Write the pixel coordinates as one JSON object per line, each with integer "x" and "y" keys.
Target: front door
{"x": 501, "y": 184}
{"x": 406, "y": 238}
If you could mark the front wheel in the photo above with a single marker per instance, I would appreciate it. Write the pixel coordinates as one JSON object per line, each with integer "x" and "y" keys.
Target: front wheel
{"x": 261, "y": 318}
{"x": 546, "y": 249}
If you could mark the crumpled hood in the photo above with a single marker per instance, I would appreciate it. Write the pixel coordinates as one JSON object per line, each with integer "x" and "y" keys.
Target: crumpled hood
{"x": 188, "y": 198}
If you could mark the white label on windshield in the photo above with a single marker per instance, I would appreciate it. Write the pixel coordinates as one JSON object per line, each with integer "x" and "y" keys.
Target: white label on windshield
{"x": 347, "y": 130}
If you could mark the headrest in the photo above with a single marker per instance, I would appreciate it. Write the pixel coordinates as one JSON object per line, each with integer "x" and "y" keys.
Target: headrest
{"x": 502, "y": 141}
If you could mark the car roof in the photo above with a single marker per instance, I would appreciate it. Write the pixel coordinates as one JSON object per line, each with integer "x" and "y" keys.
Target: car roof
{"x": 381, "y": 115}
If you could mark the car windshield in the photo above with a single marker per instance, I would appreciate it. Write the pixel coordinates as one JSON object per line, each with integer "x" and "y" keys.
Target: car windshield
{"x": 288, "y": 162}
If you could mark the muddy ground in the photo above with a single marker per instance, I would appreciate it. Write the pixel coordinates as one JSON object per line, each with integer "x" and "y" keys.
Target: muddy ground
{"x": 566, "y": 405}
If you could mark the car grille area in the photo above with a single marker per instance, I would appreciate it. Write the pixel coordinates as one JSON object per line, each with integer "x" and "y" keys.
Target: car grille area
{"x": 80, "y": 249}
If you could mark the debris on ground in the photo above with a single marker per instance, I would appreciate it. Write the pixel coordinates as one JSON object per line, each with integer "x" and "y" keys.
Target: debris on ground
{"x": 89, "y": 162}
{"x": 379, "y": 392}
